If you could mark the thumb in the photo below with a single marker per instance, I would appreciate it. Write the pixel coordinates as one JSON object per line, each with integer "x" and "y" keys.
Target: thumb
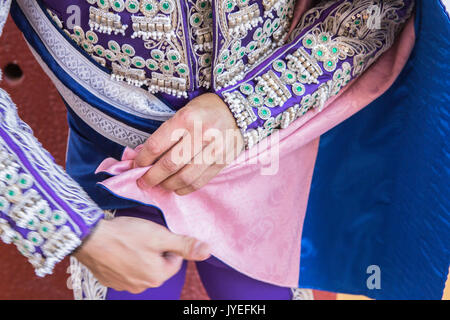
{"x": 187, "y": 247}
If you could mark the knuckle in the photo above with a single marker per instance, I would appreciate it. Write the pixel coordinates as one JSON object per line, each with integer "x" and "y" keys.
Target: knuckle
{"x": 188, "y": 116}
{"x": 168, "y": 164}
{"x": 152, "y": 146}
{"x": 198, "y": 184}
{"x": 185, "y": 178}
{"x": 189, "y": 244}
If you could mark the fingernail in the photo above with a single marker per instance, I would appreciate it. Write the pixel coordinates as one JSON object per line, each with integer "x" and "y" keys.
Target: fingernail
{"x": 202, "y": 249}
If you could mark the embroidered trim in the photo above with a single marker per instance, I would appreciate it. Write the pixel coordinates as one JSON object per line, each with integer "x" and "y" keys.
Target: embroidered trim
{"x": 200, "y": 35}
{"x": 161, "y": 27}
{"x": 105, "y": 125}
{"x": 126, "y": 98}
{"x": 234, "y": 59}
{"x": 344, "y": 36}
{"x": 30, "y": 206}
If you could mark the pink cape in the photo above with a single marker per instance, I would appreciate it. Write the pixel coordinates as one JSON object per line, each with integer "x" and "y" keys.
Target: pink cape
{"x": 253, "y": 221}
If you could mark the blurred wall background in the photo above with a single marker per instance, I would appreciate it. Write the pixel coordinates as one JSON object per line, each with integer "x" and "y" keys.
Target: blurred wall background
{"x": 41, "y": 107}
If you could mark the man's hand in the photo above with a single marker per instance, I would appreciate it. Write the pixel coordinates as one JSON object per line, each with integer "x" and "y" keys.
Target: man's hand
{"x": 134, "y": 254}
{"x": 192, "y": 147}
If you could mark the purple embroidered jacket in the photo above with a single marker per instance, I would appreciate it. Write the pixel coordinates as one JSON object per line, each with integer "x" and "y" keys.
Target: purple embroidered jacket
{"x": 178, "y": 50}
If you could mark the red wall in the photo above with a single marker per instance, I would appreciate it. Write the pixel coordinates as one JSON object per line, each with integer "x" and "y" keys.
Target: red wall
{"x": 41, "y": 107}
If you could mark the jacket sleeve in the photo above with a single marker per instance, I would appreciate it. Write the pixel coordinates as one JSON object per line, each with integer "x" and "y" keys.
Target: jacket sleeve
{"x": 333, "y": 44}
{"x": 43, "y": 211}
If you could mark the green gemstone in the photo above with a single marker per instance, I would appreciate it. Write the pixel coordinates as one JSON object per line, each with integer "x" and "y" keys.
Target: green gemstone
{"x": 231, "y": 62}
{"x": 334, "y": 50}
{"x": 117, "y": 4}
{"x": 138, "y": 64}
{"x": 45, "y": 229}
{"x": 174, "y": 58}
{"x": 31, "y": 222}
{"x": 299, "y": 88}
{"x": 256, "y": 100}
{"x": 219, "y": 70}
{"x": 152, "y": 66}
{"x": 270, "y": 100}
{"x": 23, "y": 181}
{"x": 264, "y": 111}
{"x": 207, "y": 60}
{"x": 181, "y": 70}
{"x": 100, "y": 52}
{"x": 324, "y": 38}
{"x": 309, "y": 41}
{"x": 11, "y": 193}
{"x": 166, "y": 6}
{"x": 203, "y": 4}
{"x": 102, "y": 1}
{"x": 57, "y": 217}
{"x": 357, "y": 22}
{"x": 113, "y": 48}
{"x": 330, "y": 63}
{"x": 132, "y": 6}
{"x": 320, "y": 53}
{"x": 148, "y": 7}
{"x": 166, "y": 67}
{"x": 42, "y": 211}
{"x": 289, "y": 76}
{"x": 157, "y": 56}
{"x": 34, "y": 240}
{"x": 8, "y": 176}
{"x": 128, "y": 51}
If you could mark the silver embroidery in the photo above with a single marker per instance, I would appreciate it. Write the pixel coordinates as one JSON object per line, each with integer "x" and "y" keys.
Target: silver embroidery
{"x": 126, "y": 98}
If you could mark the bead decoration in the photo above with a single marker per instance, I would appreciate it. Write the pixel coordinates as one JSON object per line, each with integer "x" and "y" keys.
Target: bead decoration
{"x": 105, "y": 22}
{"x": 21, "y": 203}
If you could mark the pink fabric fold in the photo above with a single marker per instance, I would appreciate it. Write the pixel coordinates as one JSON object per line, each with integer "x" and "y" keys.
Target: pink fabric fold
{"x": 254, "y": 221}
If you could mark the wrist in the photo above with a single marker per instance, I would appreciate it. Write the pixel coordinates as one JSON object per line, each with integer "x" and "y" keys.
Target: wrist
{"x": 90, "y": 242}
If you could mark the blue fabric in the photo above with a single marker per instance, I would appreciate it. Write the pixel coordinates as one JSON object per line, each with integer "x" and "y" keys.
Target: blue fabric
{"x": 380, "y": 191}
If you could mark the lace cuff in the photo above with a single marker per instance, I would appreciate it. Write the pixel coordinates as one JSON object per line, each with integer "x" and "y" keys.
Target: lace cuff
{"x": 332, "y": 45}
{"x": 42, "y": 210}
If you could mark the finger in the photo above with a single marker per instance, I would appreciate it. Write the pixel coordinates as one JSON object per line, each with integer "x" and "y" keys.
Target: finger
{"x": 174, "y": 160}
{"x": 300, "y": 8}
{"x": 186, "y": 247}
{"x": 167, "y": 135}
{"x": 191, "y": 172}
{"x": 210, "y": 173}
